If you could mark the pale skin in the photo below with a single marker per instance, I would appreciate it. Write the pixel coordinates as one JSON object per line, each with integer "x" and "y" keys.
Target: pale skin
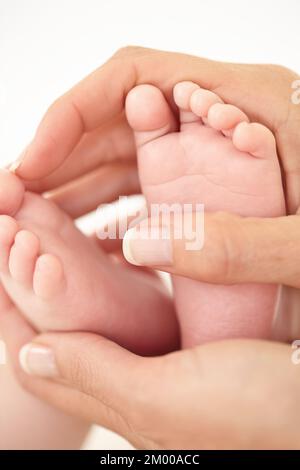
{"x": 29, "y": 423}
{"x": 61, "y": 281}
{"x": 214, "y": 156}
{"x": 283, "y": 122}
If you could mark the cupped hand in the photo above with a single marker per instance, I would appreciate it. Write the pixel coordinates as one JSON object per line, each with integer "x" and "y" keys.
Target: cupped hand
{"x": 84, "y": 142}
{"x": 235, "y": 394}
{"x": 84, "y": 149}
{"x": 84, "y": 134}
{"x": 227, "y": 395}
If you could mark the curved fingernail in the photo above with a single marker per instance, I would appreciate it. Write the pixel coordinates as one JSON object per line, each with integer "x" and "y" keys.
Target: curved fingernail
{"x": 148, "y": 249}
{"x": 38, "y": 360}
{"x": 16, "y": 165}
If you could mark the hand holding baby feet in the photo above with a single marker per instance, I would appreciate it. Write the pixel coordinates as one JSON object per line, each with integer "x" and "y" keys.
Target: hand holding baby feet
{"x": 61, "y": 280}
{"x": 214, "y": 156}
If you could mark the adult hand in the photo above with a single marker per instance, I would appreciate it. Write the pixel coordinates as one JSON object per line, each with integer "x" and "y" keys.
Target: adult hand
{"x": 84, "y": 140}
{"x": 227, "y": 395}
{"x": 85, "y": 133}
{"x": 235, "y": 249}
{"x": 186, "y": 389}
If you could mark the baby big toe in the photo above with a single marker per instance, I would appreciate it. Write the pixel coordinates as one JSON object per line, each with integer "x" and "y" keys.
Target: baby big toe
{"x": 148, "y": 114}
{"x": 23, "y": 256}
{"x": 254, "y": 138}
{"x": 48, "y": 276}
{"x": 8, "y": 230}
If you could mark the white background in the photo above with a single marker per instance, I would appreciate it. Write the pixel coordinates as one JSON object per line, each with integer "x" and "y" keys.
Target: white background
{"x": 47, "y": 46}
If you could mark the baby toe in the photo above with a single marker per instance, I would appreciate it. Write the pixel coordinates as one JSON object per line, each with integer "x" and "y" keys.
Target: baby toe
{"x": 202, "y": 100}
{"x": 182, "y": 93}
{"x": 23, "y": 256}
{"x": 256, "y": 139}
{"x": 48, "y": 276}
{"x": 224, "y": 117}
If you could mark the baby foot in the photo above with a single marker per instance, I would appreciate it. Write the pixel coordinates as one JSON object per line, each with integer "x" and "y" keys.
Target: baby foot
{"x": 61, "y": 280}
{"x": 216, "y": 157}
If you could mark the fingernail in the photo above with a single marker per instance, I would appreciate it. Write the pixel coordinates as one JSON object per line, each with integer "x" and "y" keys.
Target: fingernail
{"x": 38, "y": 360}
{"x": 148, "y": 248}
{"x": 15, "y": 165}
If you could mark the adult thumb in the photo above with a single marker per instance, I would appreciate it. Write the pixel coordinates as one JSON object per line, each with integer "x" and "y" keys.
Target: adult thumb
{"x": 223, "y": 249}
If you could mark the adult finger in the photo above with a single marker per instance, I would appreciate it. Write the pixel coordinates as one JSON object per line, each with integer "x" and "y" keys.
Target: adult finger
{"x": 188, "y": 399}
{"x": 100, "y": 97}
{"x": 101, "y": 186}
{"x": 225, "y": 249}
{"x": 59, "y": 394}
{"x": 109, "y": 391}
{"x": 112, "y": 142}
